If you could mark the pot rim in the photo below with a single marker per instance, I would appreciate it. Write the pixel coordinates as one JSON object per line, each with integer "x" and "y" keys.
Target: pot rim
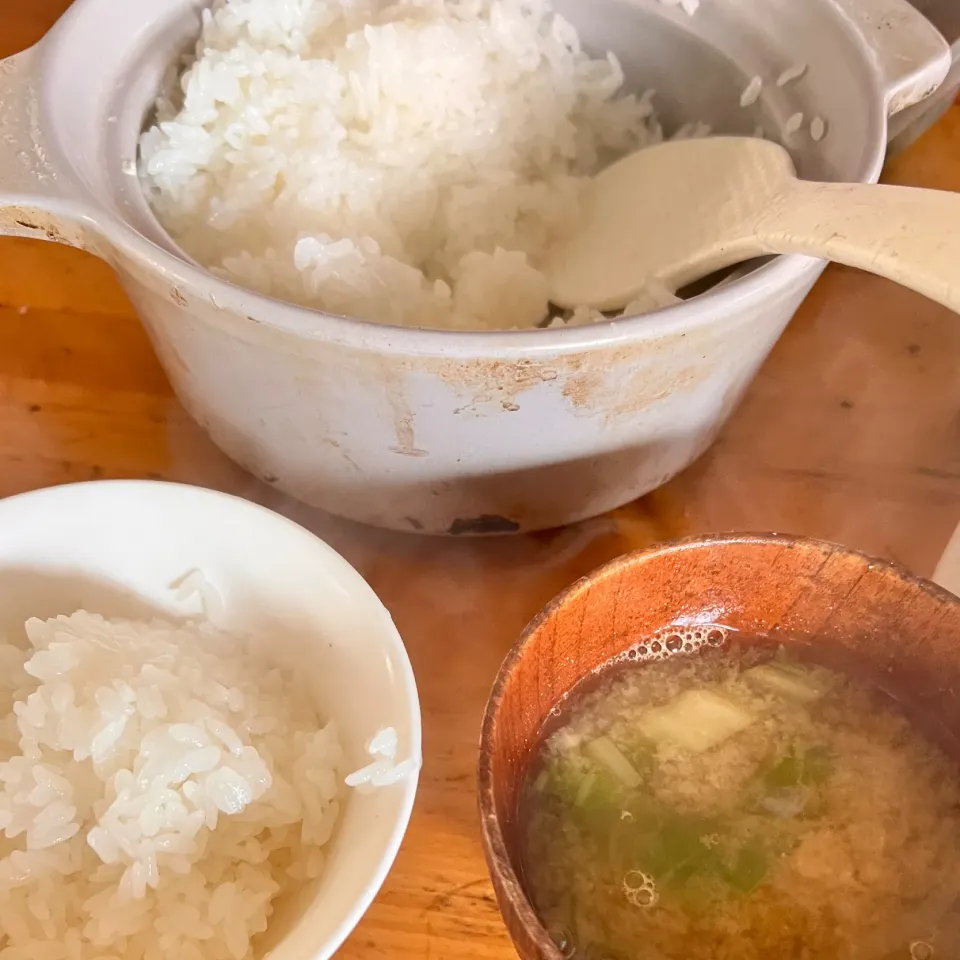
{"x": 506, "y": 881}
{"x": 283, "y": 317}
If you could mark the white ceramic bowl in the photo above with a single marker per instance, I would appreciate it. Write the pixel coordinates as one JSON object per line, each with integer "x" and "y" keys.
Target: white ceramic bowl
{"x": 442, "y": 431}
{"x": 114, "y": 548}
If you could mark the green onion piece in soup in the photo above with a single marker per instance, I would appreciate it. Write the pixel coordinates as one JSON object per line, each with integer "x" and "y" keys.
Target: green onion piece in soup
{"x": 790, "y": 786}
{"x": 605, "y": 752}
{"x": 695, "y": 721}
{"x": 811, "y": 767}
{"x": 681, "y": 851}
{"x": 789, "y": 681}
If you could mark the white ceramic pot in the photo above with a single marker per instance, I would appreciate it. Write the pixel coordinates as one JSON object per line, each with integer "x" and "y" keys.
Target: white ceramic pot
{"x": 115, "y": 548}
{"x": 446, "y": 432}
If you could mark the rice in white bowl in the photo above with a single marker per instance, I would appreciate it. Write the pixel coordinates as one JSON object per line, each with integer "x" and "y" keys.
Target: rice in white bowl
{"x": 160, "y": 786}
{"x": 406, "y": 163}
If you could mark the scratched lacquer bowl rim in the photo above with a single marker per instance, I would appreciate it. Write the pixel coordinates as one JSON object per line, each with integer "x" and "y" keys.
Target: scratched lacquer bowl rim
{"x": 827, "y": 594}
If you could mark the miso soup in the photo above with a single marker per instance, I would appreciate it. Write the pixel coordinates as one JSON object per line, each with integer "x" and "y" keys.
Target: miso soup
{"x": 739, "y": 803}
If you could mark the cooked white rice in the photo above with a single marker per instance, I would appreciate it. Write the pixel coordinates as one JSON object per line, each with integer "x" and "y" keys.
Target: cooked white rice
{"x": 791, "y": 74}
{"x": 751, "y": 93}
{"x": 793, "y": 124}
{"x": 160, "y": 786}
{"x": 406, "y": 163}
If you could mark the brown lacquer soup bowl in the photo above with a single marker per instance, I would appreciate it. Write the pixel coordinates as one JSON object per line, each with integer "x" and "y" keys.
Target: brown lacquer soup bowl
{"x": 844, "y": 607}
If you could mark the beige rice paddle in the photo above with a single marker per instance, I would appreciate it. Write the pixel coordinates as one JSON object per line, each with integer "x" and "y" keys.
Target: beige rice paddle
{"x": 682, "y": 210}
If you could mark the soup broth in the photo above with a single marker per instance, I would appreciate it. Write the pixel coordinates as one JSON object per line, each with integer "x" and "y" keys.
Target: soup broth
{"x": 740, "y": 804}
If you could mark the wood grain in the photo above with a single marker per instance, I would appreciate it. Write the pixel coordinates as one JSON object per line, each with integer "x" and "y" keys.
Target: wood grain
{"x": 851, "y": 432}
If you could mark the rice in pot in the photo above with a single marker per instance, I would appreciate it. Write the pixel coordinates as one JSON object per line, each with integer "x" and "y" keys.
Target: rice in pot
{"x": 160, "y": 787}
{"x": 406, "y": 163}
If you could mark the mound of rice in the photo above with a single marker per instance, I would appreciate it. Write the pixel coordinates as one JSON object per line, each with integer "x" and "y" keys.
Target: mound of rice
{"x": 406, "y": 162}
{"x": 160, "y": 786}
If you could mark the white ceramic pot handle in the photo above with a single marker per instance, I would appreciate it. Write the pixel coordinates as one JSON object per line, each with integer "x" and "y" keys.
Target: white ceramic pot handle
{"x": 37, "y": 197}
{"x": 910, "y": 54}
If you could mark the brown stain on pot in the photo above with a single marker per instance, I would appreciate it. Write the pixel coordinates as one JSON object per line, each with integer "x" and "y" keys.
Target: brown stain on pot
{"x": 495, "y": 382}
{"x": 500, "y": 381}
{"x": 648, "y": 379}
{"x": 51, "y": 233}
{"x": 44, "y": 224}
{"x": 596, "y": 380}
{"x": 395, "y": 384}
{"x": 585, "y": 376}
{"x": 406, "y": 444}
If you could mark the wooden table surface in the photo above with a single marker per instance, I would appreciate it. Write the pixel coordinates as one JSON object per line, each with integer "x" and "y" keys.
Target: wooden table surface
{"x": 851, "y": 432}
